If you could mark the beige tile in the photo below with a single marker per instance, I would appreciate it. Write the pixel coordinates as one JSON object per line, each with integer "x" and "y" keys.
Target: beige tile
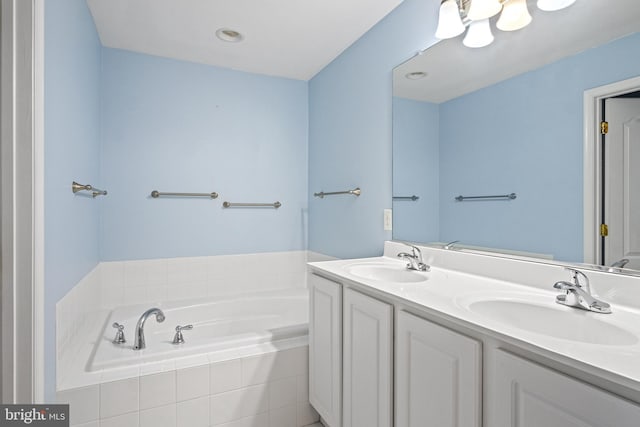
{"x": 95, "y": 423}
{"x": 306, "y": 414}
{"x": 193, "y": 413}
{"x": 192, "y": 382}
{"x": 260, "y": 420}
{"x": 162, "y": 416}
{"x": 282, "y": 392}
{"x": 84, "y": 403}
{"x": 225, "y": 376}
{"x": 126, "y": 420}
{"x": 237, "y": 404}
{"x": 283, "y": 417}
{"x": 303, "y": 388}
{"x": 157, "y": 390}
{"x": 272, "y": 366}
{"x": 119, "y": 397}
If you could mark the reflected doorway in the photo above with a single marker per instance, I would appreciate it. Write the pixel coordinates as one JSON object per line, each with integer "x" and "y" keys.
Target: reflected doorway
{"x": 620, "y": 162}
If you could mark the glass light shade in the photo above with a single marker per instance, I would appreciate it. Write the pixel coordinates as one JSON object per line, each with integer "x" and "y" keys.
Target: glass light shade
{"x": 449, "y": 21}
{"x": 483, "y": 9}
{"x": 514, "y": 16}
{"x": 479, "y": 34}
{"x": 552, "y": 5}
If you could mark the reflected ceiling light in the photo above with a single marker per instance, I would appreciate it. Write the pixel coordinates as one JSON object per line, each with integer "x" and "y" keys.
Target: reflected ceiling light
{"x": 475, "y": 15}
{"x": 484, "y": 9}
{"x": 416, "y": 75}
{"x": 553, "y": 5}
{"x": 479, "y": 34}
{"x": 514, "y": 16}
{"x": 449, "y": 21}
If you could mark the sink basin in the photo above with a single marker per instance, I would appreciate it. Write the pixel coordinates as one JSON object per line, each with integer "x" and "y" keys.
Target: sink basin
{"x": 387, "y": 273}
{"x": 553, "y": 320}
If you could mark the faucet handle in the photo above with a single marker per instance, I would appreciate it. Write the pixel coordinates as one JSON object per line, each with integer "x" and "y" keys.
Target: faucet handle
{"x": 178, "y": 338}
{"x": 119, "y": 339}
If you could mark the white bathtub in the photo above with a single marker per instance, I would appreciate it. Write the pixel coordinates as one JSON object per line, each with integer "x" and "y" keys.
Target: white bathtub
{"x": 220, "y": 323}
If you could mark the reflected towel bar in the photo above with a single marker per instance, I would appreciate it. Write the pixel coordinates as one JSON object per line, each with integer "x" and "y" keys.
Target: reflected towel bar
{"x": 356, "y": 192}
{"x": 75, "y": 187}
{"x": 409, "y": 198}
{"x": 502, "y": 196}
{"x": 275, "y": 205}
{"x": 155, "y": 194}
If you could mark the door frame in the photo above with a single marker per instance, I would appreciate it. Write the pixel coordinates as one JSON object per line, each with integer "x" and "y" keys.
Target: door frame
{"x": 592, "y": 158}
{"x": 22, "y": 198}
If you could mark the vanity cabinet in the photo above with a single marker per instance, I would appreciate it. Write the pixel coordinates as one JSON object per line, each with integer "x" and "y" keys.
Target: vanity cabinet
{"x": 325, "y": 348}
{"x": 438, "y": 375}
{"x": 529, "y": 395}
{"x": 367, "y": 359}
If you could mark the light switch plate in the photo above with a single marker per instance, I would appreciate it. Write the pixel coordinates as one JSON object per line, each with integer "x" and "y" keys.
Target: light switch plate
{"x": 388, "y": 219}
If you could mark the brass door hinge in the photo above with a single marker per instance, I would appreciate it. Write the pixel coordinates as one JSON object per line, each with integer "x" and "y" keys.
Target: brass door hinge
{"x": 604, "y": 230}
{"x": 604, "y": 127}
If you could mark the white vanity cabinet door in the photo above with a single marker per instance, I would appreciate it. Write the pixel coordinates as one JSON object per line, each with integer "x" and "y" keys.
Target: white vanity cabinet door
{"x": 438, "y": 375}
{"x": 528, "y": 395}
{"x": 325, "y": 348}
{"x": 367, "y": 361}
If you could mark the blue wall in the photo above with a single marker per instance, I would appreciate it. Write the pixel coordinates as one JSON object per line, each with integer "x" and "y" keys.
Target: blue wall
{"x": 350, "y": 132}
{"x": 525, "y": 135}
{"x": 176, "y": 126}
{"x": 72, "y": 118}
{"x": 416, "y": 170}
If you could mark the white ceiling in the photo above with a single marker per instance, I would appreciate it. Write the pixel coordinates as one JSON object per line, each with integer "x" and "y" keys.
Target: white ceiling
{"x": 455, "y": 70}
{"x": 287, "y": 38}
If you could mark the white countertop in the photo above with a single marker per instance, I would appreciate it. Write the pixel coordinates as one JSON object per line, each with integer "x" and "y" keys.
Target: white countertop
{"x": 450, "y": 293}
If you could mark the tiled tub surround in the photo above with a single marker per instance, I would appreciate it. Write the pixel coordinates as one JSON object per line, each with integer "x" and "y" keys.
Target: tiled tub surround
{"x": 266, "y": 390}
{"x": 82, "y": 313}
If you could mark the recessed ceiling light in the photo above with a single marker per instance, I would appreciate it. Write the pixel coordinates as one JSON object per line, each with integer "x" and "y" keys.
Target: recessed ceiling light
{"x": 416, "y": 75}
{"x": 229, "y": 35}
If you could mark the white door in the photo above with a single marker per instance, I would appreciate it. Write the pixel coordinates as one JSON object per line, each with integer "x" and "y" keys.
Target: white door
{"x": 367, "y": 361}
{"x": 622, "y": 181}
{"x": 325, "y": 348}
{"x": 438, "y": 376}
{"x": 529, "y": 395}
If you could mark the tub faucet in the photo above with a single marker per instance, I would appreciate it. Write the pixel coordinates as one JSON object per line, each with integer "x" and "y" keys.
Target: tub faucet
{"x": 578, "y": 296}
{"x": 450, "y": 244}
{"x": 414, "y": 259}
{"x": 620, "y": 263}
{"x": 139, "y": 341}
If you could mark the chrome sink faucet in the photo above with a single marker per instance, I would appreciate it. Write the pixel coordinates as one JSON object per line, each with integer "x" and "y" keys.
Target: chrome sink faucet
{"x": 414, "y": 259}
{"x": 139, "y": 343}
{"x": 579, "y": 296}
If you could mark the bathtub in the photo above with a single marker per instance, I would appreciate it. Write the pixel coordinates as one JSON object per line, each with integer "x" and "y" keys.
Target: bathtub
{"x": 219, "y": 324}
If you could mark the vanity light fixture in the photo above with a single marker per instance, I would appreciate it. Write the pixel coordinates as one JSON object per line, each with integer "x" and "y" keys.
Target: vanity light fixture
{"x": 455, "y": 15}
{"x": 229, "y": 35}
{"x": 553, "y": 5}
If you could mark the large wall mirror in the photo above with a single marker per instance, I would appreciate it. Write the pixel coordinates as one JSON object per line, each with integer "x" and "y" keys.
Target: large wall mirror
{"x": 509, "y": 118}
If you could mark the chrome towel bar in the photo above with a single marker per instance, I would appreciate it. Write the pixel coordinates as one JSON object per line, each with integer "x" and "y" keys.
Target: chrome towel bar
{"x": 510, "y": 196}
{"x": 409, "y": 198}
{"x": 275, "y": 205}
{"x": 155, "y": 194}
{"x": 356, "y": 192}
{"x": 75, "y": 187}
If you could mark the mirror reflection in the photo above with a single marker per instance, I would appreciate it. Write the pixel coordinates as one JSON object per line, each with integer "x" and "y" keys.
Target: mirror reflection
{"x": 509, "y": 118}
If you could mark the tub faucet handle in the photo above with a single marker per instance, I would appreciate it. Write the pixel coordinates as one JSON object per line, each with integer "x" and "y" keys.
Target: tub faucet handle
{"x": 119, "y": 339}
{"x": 178, "y": 338}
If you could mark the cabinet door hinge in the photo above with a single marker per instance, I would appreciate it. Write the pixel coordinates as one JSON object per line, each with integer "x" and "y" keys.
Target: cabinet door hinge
{"x": 604, "y": 127}
{"x": 604, "y": 230}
